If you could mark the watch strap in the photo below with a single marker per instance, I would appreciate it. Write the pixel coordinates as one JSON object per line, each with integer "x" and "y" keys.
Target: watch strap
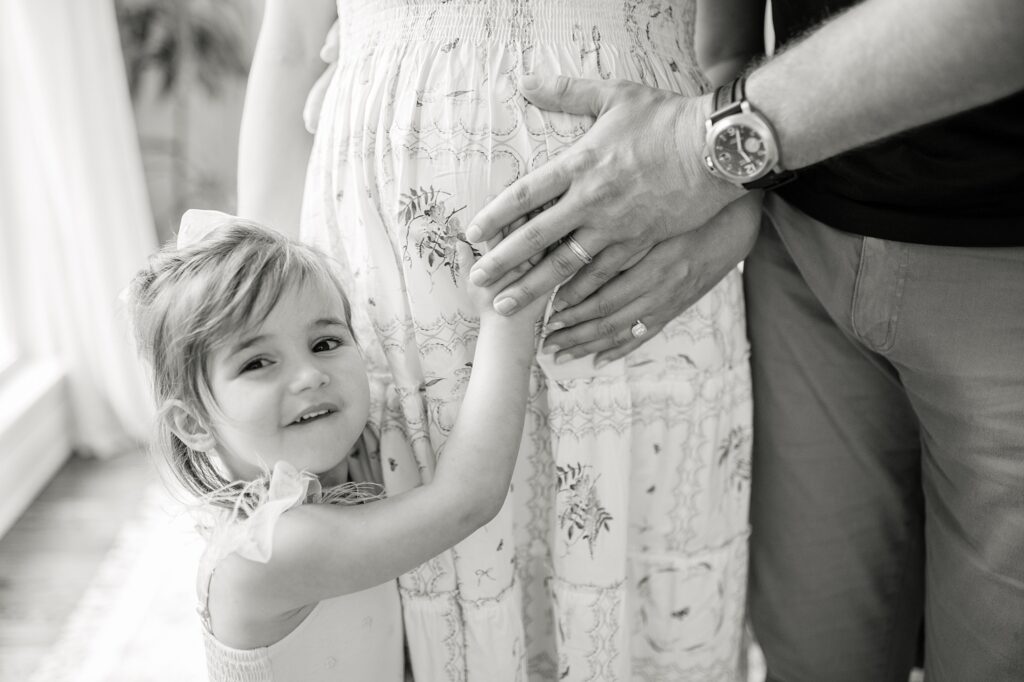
{"x": 728, "y": 99}
{"x": 732, "y": 92}
{"x": 775, "y": 178}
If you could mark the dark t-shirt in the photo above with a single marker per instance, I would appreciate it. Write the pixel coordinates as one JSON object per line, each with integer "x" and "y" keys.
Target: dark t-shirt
{"x": 958, "y": 181}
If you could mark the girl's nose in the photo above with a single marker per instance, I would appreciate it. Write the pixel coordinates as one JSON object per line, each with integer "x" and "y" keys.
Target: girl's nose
{"x": 310, "y": 377}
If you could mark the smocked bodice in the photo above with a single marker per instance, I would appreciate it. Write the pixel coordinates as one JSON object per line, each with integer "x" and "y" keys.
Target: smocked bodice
{"x": 656, "y": 27}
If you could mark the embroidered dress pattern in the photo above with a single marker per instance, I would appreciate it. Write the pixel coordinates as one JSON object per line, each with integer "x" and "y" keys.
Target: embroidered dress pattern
{"x": 620, "y": 552}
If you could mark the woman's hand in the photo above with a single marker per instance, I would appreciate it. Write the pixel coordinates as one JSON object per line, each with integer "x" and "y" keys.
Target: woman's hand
{"x": 670, "y": 278}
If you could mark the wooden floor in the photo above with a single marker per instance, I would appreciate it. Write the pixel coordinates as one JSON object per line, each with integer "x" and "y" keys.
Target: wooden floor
{"x": 50, "y": 556}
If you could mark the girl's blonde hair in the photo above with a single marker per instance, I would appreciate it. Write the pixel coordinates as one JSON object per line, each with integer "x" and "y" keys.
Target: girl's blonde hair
{"x": 189, "y": 301}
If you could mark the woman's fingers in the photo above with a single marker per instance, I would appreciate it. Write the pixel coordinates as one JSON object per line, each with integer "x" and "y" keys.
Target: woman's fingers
{"x": 607, "y": 334}
{"x": 666, "y": 281}
{"x": 645, "y": 279}
{"x": 621, "y": 351}
{"x": 607, "y": 265}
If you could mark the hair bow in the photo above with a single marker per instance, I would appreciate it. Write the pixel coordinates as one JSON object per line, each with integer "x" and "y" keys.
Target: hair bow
{"x": 197, "y": 223}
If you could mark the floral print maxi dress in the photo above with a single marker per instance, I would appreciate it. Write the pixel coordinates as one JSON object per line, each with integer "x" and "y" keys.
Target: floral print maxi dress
{"x": 620, "y": 552}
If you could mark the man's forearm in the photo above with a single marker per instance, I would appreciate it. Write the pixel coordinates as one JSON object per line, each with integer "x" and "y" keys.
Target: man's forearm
{"x": 886, "y": 66}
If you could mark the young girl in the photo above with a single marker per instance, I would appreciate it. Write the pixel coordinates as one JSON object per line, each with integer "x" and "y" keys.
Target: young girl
{"x": 264, "y": 404}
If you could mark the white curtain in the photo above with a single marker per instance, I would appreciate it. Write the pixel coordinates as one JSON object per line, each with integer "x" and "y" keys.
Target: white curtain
{"x": 75, "y": 207}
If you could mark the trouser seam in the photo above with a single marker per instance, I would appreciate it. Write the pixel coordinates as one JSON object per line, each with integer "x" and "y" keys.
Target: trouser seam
{"x": 858, "y": 279}
{"x": 904, "y": 584}
{"x": 901, "y": 284}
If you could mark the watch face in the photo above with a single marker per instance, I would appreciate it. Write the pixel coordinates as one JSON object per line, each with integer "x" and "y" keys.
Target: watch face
{"x": 739, "y": 151}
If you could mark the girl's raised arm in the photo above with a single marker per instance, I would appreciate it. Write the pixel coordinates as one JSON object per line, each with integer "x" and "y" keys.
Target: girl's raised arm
{"x": 321, "y": 551}
{"x": 274, "y": 146}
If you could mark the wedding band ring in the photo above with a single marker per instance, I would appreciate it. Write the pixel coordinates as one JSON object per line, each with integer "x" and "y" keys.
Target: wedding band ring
{"x": 578, "y": 249}
{"x": 638, "y": 329}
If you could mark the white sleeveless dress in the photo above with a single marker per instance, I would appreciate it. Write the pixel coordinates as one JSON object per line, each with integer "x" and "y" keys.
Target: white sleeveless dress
{"x": 621, "y": 552}
{"x": 356, "y": 636}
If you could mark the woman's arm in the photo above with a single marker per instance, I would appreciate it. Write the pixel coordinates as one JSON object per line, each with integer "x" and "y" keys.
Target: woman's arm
{"x": 730, "y": 34}
{"x": 322, "y": 551}
{"x": 274, "y": 146}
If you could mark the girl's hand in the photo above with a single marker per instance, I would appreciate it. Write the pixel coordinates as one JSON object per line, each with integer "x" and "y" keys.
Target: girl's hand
{"x": 483, "y": 298}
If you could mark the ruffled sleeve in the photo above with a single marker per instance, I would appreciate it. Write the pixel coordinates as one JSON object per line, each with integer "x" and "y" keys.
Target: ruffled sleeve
{"x": 315, "y": 99}
{"x": 252, "y": 538}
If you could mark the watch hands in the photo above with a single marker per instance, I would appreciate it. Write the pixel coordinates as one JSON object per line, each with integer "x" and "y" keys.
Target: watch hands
{"x": 739, "y": 145}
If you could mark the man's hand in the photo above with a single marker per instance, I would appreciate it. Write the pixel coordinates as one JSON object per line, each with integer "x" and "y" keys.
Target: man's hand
{"x": 664, "y": 283}
{"x": 633, "y": 180}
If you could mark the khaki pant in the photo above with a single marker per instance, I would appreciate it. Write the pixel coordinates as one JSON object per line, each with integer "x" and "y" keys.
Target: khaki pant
{"x": 888, "y": 465}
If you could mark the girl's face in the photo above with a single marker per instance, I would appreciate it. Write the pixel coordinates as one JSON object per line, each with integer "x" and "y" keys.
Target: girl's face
{"x": 293, "y": 389}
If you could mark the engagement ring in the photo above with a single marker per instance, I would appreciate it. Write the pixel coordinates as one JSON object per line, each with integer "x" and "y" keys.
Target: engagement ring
{"x": 638, "y": 329}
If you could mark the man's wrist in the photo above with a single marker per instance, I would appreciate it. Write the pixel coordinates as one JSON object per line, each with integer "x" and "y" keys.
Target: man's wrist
{"x": 765, "y": 104}
{"x": 690, "y": 140}
{"x": 741, "y": 145}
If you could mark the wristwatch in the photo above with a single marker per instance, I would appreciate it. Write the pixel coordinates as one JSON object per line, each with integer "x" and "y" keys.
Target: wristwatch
{"x": 740, "y": 144}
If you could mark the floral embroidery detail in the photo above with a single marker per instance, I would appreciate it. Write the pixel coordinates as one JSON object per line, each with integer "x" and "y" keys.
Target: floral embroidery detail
{"x": 732, "y": 453}
{"x": 583, "y": 518}
{"x": 441, "y": 229}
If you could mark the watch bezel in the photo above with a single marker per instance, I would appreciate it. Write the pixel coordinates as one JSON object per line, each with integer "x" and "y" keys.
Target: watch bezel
{"x": 760, "y": 126}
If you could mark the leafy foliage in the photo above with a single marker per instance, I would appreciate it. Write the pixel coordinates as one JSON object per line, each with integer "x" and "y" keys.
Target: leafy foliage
{"x": 441, "y": 228}
{"x": 156, "y": 36}
{"x": 583, "y": 517}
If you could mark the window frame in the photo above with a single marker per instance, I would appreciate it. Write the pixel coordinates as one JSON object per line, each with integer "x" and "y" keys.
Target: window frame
{"x": 12, "y": 345}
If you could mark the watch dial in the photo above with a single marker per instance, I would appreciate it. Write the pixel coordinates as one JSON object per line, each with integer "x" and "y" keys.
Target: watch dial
{"x": 740, "y": 151}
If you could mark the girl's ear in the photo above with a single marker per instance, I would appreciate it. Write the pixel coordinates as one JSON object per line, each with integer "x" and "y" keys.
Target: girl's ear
{"x": 187, "y": 426}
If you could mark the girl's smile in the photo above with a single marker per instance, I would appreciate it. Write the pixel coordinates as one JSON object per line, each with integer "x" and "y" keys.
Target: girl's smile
{"x": 315, "y": 412}
{"x": 294, "y": 388}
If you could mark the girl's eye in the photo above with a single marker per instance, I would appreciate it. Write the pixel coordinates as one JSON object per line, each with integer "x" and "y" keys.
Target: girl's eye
{"x": 324, "y": 345}
{"x": 252, "y": 365}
